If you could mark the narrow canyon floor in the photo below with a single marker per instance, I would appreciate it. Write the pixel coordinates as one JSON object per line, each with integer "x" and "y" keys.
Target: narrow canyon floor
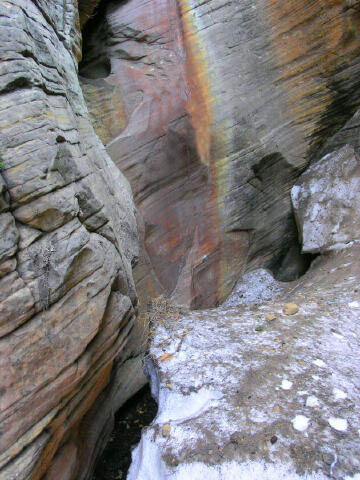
{"x": 137, "y": 412}
{"x": 249, "y": 391}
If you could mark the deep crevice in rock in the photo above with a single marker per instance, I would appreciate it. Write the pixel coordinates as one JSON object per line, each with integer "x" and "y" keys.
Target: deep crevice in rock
{"x": 138, "y": 412}
{"x": 291, "y": 264}
{"x": 95, "y": 63}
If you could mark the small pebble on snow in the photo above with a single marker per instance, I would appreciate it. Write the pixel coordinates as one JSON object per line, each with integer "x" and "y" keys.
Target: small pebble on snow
{"x": 339, "y": 394}
{"x": 290, "y": 309}
{"x": 166, "y": 430}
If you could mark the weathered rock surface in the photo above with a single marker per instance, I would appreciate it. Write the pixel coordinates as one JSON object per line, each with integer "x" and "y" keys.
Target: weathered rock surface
{"x": 326, "y": 200}
{"x": 212, "y": 109}
{"x": 258, "y": 399}
{"x": 68, "y": 327}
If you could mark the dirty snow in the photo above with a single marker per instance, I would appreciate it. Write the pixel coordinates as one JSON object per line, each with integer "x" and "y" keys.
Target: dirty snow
{"x": 312, "y": 401}
{"x": 147, "y": 465}
{"x": 228, "y": 377}
{"x": 175, "y": 407}
{"x": 256, "y": 286}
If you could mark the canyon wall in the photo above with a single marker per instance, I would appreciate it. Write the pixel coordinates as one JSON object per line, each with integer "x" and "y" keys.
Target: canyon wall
{"x": 70, "y": 345}
{"x": 212, "y": 110}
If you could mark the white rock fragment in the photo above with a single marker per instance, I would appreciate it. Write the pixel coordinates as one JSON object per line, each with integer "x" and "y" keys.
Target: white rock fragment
{"x": 312, "y": 401}
{"x": 338, "y": 424}
{"x": 302, "y": 393}
{"x": 355, "y": 304}
{"x": 339, "y": 394}
{"x": 300, "y": 423}
{"x": 319, "y": 363}
{"x": 286, "y": 385}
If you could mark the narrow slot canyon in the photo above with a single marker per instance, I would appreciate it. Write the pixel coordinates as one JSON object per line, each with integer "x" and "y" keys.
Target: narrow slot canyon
{"x": 179, "y": 260}
{"x": 203, "y": 228}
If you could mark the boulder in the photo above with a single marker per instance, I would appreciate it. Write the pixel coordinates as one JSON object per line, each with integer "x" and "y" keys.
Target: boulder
{"x": 326, "y": 200}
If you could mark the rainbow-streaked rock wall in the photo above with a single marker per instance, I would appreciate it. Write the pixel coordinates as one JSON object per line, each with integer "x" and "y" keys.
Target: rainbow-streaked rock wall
{"x": 212, "y": 109}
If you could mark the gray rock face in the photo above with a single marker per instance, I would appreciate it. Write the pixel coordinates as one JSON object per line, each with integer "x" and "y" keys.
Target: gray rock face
{"x": 326, "y": 200}
{"x": 68, "y": 242}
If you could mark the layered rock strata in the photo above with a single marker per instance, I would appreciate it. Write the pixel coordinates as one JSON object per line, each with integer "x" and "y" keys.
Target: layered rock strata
{"x": 212, "y": 109}
{"x": 69, "y": 339}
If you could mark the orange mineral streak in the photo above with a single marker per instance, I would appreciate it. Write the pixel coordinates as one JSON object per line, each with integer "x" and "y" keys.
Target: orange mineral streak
{"x": 312, "y": 40}
{"x": 68, "y": 418}
{"x": 106, "y": 109}
{"x": 199, "y": 91}
{"x": 211, "y": 266}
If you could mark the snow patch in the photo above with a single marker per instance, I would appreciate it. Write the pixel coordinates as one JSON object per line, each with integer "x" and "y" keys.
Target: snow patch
{"x": 286, "y": 385}
{"x": 339, "y": 394}
{"x": 175, "y": 407}
{"x": 338, "y": 424}
{"x": 355, "y": 304}
{"x": 255, "y": 287}
{"x": 300, "y": 423}
{"x": 337, "y": 335}
{"x": 319, "y": 363}
{"x": 147, "y": 463}
{"x": 258, "y": 416}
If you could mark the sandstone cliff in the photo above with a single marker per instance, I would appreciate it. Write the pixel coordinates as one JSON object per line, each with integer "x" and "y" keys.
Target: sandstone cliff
{"x": 69, "y": 240}
{"x": 212, "y": 109}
